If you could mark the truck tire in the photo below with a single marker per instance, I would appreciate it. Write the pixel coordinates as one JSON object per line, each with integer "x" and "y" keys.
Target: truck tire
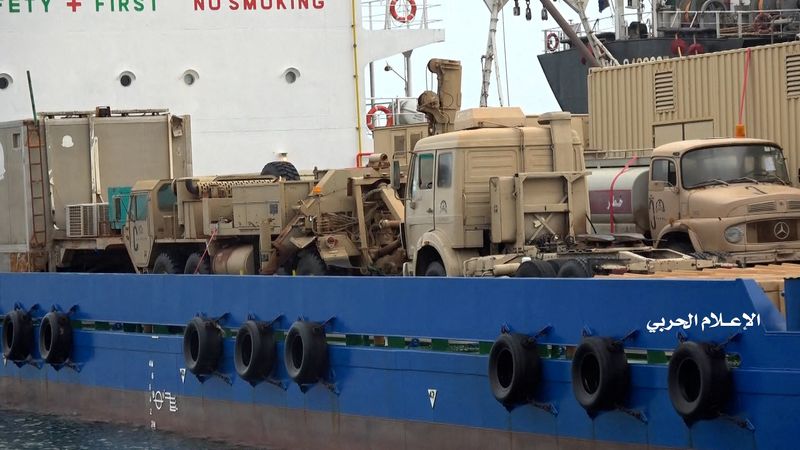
{"x": 535, "y": 269}
{"x": 194, "y": 261}
{"x": 435, "y": 269}
{"x": 680, "y": 246}
{"x": 576, "y": 268}
{"x": 283, "y": 169}
{"x": 309, "y": 263}
{"x": 166, "y": 263}
{"x": 699, "y": 380}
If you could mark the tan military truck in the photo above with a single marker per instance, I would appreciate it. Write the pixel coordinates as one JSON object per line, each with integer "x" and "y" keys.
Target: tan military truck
{"x": 726, "y": 197}
{"x": 496, "y": 197}
{"x": 343, "y": 221}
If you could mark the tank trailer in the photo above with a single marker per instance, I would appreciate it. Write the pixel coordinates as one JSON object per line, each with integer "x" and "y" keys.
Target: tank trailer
{"x": 729, "y": 198}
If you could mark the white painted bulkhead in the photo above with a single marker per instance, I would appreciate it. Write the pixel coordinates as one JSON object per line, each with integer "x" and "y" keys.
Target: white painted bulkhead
{"x": 243, "y": 107}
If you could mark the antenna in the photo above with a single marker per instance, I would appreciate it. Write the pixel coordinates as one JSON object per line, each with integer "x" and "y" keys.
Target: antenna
{"x": 33, "y": 102}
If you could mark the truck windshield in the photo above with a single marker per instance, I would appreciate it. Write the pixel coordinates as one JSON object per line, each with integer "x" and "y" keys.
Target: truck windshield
{"x": 733, "y": 164}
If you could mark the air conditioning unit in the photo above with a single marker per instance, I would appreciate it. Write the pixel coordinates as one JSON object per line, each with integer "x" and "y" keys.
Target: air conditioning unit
{"x": 83, "y": 221}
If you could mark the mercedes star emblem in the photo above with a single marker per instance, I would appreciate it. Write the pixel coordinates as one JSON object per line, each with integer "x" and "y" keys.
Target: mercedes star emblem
{"x": 781, "y": 230}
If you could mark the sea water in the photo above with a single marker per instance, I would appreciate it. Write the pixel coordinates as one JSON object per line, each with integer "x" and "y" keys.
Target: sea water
{"x": 33, "y": 431}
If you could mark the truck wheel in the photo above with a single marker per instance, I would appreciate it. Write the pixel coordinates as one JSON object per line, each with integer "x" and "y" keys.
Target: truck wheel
{"x": 576, "y": 268}
{"x": 166, "y": 263}
{"x": 194, "y": 261}
{"x": 680, "y": 246}
{"x": 435, "y": 269}
{"x": 283, "y": 169}
{"x": 535, "y": 269}
{"x": 309, "y": 263}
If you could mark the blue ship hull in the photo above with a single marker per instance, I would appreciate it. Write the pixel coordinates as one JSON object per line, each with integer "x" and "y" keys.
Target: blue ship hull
{"x": 429, "y": 391}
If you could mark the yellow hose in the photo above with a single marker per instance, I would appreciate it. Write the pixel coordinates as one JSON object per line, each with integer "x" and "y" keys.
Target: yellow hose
{"x": 357, "y": 78}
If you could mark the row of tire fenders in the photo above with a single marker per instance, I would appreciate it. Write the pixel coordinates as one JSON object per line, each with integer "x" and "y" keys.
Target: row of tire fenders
{"x": 699, "y": 379}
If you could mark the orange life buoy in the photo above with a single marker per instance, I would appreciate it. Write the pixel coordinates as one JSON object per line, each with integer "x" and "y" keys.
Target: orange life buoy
{"x": 552, "y": 42}
{"x": 383, "y": 109}
{"x": 403, "y": 19}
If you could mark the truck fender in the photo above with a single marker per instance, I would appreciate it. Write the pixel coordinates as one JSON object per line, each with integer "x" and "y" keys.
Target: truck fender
{"x": 450, "y": 258}
{"x": 678, "y": 227}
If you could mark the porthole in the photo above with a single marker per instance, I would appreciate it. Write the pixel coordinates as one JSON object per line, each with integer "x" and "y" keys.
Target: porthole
{"x": 291, "y": 75}
{"x": 126, "y": 78}
{"x": 5, "y": 81}
{"x": 190, "y": 77}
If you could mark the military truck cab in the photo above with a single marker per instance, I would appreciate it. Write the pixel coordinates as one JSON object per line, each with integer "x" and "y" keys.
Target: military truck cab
{"x": 726, "y": 196}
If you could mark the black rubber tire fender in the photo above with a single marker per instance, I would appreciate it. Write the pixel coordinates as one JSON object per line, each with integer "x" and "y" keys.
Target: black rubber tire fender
{"x": 17, "y": 335}
{"x": 254, "y": 352}
{"x": 306, "y": 352}
{"x": 310, "y": 264}
{"x": 283, "y": 169}
{"x": 699, "y": 380}
{"x": 535, "y": 268}
{"x": 514, "y": 368}
{"x": 55, "y": 338}
{"x": 435, "y": 269}
{"x": 167, "y": 263}
{"x": 194, "y": 263}
{"x": 600, "y": 374}
{"x": 576, "y": 268}
{"x": 202, "y": 346}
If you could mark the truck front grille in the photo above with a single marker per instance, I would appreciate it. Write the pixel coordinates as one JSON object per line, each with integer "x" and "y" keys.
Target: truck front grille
{"x": 785, "y": 230}
{"x": 793, "y": 205}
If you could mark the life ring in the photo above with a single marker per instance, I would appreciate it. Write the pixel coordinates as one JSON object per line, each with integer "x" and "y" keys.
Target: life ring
{"x": 383, "y": 109}
{"x": 55, "y": 338}
{"x": 202, "y": 346}
{"x": 599, "y": 374}
{"x": 403, "y": 19}
{"x": 514, "y": 368}
{"x": 306, "y": 352}
{"x": 254, "y": 353}
{"x": 552, "y": 42}
{"x": 699, "y": 380}
{"x": 17, "y": 335}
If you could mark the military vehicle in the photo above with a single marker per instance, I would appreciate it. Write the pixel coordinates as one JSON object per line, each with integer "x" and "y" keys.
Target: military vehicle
{"x": 59, "y": 172}
{"x": 728, "y": 197}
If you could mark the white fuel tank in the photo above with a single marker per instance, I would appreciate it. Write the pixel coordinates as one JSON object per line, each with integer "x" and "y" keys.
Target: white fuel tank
{"x": 630, "y": 200}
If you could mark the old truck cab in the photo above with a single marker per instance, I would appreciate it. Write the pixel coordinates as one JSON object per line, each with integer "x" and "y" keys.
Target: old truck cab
{"x": 729, "y": 196}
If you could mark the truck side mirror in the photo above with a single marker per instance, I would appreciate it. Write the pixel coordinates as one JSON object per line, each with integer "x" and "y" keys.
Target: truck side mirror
{"x": 396, "y": 182}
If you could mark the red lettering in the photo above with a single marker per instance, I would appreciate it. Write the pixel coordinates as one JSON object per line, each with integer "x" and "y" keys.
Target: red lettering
{"x": 280, "y": 5}
{"x": 302, "y": 4}
{"x": 266, "y": 4}
{"x": 249, "y": 4}
{"x": 234, "y": 5}
{"x": 199, "y": 5}
{"x": 319, "y": 4}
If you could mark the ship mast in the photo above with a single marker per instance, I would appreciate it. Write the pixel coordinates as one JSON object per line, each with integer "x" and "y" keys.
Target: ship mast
{"x": 495, "y": 6}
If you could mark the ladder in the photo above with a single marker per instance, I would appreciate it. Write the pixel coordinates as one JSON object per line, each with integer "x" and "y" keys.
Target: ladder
{"x": 36, "y": 165}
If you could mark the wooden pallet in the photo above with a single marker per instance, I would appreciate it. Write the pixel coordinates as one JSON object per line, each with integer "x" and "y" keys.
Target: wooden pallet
{"x": 769, "y": 277}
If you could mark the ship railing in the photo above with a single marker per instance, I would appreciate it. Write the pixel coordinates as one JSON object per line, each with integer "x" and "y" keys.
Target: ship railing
{"x": 774, "y": 22}
{"x": 602, "y": 27}
{"x": 403, "y": 111}
{"x": 399, "y": 14}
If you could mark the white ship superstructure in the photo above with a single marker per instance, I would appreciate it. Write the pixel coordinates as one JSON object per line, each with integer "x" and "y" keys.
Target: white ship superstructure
{"x": 259, "y": 77}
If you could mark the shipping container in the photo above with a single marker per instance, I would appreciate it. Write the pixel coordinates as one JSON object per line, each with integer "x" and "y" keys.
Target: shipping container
{"x": 641, "y": 106}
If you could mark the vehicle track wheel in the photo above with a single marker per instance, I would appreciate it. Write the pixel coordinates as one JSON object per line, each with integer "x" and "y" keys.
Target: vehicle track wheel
{"x": 309, "y": 263}
{"x": 282, "y": 169}
{"x": 576, "y": 268}
{"x": 194, "y": 264}
{"x": 435, "y": 269}
{"x": 167, "y": 263}
{"x": 535, "y": 269}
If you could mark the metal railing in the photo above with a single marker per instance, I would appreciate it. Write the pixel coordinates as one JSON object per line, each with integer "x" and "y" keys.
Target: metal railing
{"x": 403, "y": 111}
{"x": 780, "y": 24}
{"x": 398, "y": 14}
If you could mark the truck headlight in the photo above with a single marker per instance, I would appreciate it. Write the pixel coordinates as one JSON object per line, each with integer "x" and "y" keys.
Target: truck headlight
{"x": 734, "y": 235}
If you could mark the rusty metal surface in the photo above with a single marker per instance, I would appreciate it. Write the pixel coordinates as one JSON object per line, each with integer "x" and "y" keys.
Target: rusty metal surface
{"x": 271, "y": 427}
